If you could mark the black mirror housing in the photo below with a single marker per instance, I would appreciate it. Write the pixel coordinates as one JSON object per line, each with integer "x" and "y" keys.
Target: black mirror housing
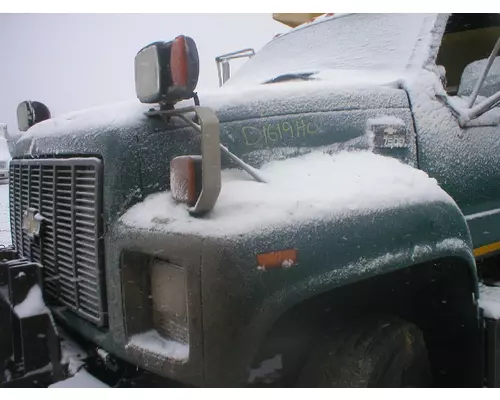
{"x": 30, "y": 113}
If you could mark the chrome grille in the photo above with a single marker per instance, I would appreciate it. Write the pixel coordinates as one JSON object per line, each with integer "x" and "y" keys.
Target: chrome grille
{"x": 66, "y": 193}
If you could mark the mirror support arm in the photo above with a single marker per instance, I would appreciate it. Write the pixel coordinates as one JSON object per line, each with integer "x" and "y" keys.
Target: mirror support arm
{"x": 484, "y": 106}
{"x": 223, "y": 62}
{"x": 211, "y": 149}
{"x": 209, "y": 128}
{"x": 254, "y": 173}
{"x": 464, "y": 115}
{"x": 484, "y": 73}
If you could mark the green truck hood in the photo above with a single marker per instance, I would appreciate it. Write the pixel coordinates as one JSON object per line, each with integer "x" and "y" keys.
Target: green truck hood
{"x": 258, "y": 124}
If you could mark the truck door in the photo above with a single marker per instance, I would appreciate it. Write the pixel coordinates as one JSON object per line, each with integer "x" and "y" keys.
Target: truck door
{"x": 465, "y": 160}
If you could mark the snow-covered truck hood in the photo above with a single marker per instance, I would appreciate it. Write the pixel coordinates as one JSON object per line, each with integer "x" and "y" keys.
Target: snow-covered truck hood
{"x": 259, "y": 124}
{"x": 230, "y": 104}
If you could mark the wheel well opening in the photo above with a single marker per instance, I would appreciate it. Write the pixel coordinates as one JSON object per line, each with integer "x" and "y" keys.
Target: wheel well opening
{"x": 436, "y": 296}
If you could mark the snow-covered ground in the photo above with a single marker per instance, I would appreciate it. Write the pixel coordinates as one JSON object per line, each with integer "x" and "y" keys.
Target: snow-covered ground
{"x": 4, "y": 215}
{"x": 82, "y": 379}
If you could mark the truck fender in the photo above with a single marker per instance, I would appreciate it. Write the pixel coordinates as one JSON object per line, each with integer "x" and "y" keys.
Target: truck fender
{"x": 363, "y": 246}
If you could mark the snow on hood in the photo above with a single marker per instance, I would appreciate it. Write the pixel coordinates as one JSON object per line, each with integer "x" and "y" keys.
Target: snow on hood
{"x": 327, "y": 82}
{"x": 395, "y": 53}
{"x": 111, "y": 116}
{"x": 119, "y": 115}
{"x": 357, "y": 78}
{"x": 310, "y": 187}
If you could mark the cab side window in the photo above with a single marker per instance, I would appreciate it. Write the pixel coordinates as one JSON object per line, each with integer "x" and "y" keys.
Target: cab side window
{"x": 466, "y": 45}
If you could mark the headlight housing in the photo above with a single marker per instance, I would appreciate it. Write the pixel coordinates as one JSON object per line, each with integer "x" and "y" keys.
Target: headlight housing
{"x": 167, "y": 72}
{"x": 169, "y": 298}
{"x": 30, "y": 113}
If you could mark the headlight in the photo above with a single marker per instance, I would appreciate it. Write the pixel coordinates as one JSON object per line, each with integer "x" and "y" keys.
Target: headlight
{"x": 30, "y": 113}
{"x": 169, "y": 297}
{"x": 147, "y": 74}
{"x": 167, "y": 72}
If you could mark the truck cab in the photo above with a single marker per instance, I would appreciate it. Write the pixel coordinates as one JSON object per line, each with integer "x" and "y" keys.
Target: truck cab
{"x": 328, "y": 217}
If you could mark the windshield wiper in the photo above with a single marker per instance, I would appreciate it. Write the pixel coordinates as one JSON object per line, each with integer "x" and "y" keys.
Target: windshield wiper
{"x": 305, "y": 76}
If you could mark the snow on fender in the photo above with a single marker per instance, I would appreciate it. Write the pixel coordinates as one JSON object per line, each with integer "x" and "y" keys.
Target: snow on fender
{"x": 309, "y": 187}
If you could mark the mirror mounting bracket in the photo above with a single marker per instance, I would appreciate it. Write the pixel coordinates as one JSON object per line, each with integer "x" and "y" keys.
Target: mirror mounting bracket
{"x": 211, "y": 148}
{"x": 223, "y": 69}
{"x": 484, "y": 73}
{"x": 465, "y": 115}
{"x": 209, "y": 129}
{"x": 166, "y": 114}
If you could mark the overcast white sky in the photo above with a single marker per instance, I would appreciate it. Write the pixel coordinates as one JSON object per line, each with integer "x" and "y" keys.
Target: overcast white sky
{"x": 75, "y": 61}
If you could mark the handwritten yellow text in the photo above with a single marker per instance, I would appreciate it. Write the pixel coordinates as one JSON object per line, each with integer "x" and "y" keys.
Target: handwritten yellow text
{"x": 278, "y": 132}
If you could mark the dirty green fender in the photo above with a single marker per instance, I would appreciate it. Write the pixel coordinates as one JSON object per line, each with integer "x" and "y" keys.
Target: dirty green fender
{"x": 241, "y": 302}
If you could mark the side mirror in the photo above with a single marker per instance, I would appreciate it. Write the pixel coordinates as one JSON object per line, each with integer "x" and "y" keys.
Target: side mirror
{"x": 226, "y": 71}
{"x": 223, "y": 67}
{"x": 30, "y": 113}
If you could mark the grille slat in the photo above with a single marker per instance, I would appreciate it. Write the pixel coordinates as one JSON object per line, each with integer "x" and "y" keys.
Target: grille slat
{"x": 86, "y": 275}
{"x": 66, "y": 193}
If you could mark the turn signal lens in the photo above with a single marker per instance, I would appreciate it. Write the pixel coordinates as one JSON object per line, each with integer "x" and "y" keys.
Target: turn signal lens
{"x": 277, "y": 259}
{"x": 185, "y": 179}
{"x": 179, "y": 62}
{"x": 184, "y": 65}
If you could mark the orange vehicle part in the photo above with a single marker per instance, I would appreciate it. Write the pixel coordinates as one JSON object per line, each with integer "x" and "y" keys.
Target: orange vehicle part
{"x": 295, "y": 19}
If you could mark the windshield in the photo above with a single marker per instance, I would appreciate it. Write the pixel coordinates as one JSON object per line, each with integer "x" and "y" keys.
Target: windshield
{"x": 380, "y": 42}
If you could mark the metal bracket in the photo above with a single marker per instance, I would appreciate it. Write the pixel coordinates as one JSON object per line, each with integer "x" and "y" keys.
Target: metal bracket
{"x": 209, "y": 129}
{"x": 28, "y": 343}
{"x": 211, "y": 147}
{"x": 223, "y": 69}
{"x": 465, "y": 115}
{"x": 484, "y": 73}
